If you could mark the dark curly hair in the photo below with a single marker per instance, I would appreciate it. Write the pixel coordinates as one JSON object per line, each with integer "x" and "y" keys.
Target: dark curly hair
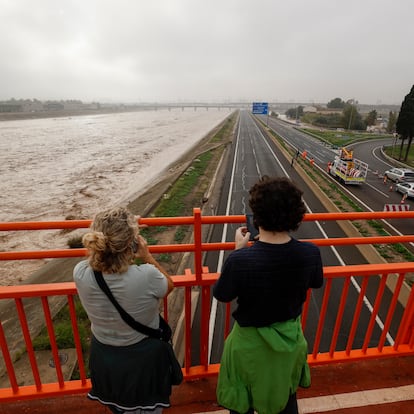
{"x": 276, "y": 204}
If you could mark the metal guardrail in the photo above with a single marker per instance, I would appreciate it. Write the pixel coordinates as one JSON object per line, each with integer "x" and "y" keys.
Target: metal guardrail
{"x": 391, "y": 274}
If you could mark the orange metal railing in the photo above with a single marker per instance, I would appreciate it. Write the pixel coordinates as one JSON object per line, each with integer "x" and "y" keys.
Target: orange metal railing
{"x": 385, "y": 283}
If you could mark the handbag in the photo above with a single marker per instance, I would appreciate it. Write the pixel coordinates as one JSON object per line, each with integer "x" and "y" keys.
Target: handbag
{"x": 163, "y": 333}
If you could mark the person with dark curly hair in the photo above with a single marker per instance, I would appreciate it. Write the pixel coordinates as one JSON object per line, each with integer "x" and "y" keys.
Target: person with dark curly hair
{"x": 265, "y": 356}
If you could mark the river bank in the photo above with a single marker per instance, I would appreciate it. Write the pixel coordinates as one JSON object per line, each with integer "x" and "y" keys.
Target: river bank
{"x": 19, "y": 116}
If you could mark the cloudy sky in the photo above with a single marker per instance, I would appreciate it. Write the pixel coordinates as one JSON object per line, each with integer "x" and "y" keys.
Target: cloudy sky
{"x": 207, "y": 50}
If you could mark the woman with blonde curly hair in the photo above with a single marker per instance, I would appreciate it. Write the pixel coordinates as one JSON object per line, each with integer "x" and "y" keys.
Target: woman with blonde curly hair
{"x": 129, "y": 371}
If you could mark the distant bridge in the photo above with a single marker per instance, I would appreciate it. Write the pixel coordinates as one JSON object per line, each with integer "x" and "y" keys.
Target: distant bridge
{"x": 273, "y": 106}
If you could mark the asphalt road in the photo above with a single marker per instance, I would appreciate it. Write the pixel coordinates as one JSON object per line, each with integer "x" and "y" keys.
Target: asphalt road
{"x": 254, "y": 155}
{"x": 372, "y": 195}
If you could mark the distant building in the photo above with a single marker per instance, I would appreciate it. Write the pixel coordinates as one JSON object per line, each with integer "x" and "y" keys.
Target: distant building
{"x": 73, "y": 105}
{"x": 311, "y": 109}
{"x": 379, "y": 126}
{"x": 35, "y": 105}
{"x": 11, "y": 107}
{"x": 32, "y": 106}
{"x": 53, "y": 106}
{"x": 92, "y": 105}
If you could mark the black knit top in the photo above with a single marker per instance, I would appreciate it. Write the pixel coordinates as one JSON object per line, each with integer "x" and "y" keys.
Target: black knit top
{"x": 270, "y": 281}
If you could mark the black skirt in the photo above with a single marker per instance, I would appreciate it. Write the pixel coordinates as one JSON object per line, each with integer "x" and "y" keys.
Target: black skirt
{"x": 131, "y": 377}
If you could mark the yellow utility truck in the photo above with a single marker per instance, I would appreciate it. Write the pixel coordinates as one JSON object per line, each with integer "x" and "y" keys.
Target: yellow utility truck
{"x": 347, "y": 169}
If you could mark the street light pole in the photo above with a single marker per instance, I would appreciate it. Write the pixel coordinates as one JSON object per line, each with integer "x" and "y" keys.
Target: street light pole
{"x": 350, "y": 117}
{"x": 353, "y": 103}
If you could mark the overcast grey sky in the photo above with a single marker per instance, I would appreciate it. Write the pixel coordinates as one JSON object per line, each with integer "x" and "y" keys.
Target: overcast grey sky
{"x": 170, "y": 50}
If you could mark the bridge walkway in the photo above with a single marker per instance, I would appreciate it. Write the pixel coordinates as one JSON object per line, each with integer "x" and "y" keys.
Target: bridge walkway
{"x": 374, "y": 386}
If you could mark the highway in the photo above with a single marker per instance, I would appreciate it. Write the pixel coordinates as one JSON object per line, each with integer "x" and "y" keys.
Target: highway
{"x": 373, "y": 195}
{"x": 254, "y": 155}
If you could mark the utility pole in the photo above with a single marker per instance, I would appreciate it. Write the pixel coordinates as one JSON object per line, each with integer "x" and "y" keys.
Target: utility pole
{"x": 353, "y": 103}
{"x": 350, "y": 117}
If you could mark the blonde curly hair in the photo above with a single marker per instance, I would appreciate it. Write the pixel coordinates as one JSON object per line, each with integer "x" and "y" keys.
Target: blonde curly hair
{"x": 110, "y": 242}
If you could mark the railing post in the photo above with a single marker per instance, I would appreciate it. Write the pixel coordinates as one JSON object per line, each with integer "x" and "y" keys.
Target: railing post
{"x": 198, "y": 267}
{"x": 205, "y": 318}
{"x": 407, "y": 323}
{"x": 28, "y": 341}
{"x": 77, "y": 339}
{"x": 187, "y": 325}
{"x": 8, "y": 360}
{"x": 205, "y": 290}
{"x": 321, "y": 323}
{"x": 52, "y": 339}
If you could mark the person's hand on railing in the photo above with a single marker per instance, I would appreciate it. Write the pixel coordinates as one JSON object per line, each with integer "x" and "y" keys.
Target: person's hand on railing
{"x": 140, "y": 226}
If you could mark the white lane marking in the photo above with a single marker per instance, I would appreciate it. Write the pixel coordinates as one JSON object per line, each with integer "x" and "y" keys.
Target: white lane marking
{"x": 213, "y": 312}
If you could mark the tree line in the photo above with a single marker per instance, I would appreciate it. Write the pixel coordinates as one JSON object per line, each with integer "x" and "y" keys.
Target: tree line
{"x": 341, "y": 114}
{"x": 345, "y": 115}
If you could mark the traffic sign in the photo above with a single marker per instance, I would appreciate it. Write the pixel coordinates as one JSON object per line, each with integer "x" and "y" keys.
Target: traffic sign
{"x": 260, "y": 108}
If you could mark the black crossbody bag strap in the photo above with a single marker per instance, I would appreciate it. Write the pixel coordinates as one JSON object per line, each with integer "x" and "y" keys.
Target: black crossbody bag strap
{"x": 126, "y": 317}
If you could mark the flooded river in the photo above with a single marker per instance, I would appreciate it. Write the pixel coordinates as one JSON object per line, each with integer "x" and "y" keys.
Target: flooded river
{"x": 59, "y": 168}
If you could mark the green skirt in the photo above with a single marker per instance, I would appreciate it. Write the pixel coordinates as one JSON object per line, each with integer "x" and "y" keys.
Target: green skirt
{"x": 262, "y": 367}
